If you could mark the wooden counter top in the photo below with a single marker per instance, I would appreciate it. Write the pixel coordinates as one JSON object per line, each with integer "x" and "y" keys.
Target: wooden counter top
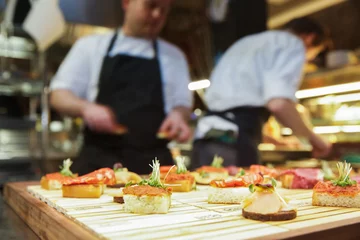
{"x": 190, "y": 217}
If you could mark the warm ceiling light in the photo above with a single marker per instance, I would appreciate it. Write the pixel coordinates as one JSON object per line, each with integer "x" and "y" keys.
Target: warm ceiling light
{"x": 321, "y": 91}
{"x": 301, "y": 9}
{"x": 199, "y": 85}
{"x": 337, "y": 129}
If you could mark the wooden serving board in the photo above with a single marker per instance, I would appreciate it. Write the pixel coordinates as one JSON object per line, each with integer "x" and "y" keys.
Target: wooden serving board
{"x": 190, "y": 217}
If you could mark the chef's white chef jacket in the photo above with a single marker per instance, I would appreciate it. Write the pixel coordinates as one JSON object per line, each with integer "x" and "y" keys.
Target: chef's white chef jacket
{"x": 254, "y": 70}
{"x": 80, "y": 71}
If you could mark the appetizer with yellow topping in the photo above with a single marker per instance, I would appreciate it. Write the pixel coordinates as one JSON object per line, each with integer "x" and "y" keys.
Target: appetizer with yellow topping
{"x": 205, "y": 174}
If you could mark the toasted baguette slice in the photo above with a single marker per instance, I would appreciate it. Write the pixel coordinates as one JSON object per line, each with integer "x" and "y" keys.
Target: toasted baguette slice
{"x": 231, "y": 195}
{"x": 83, "y": 190}
{"x": 329, "y": 200}
{"x": 280, "y": 216}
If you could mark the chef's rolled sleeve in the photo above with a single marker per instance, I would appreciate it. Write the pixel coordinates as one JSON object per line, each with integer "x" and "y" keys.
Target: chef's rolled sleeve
{"x": 283, "y": 72}
{"x": 74, "y": 73}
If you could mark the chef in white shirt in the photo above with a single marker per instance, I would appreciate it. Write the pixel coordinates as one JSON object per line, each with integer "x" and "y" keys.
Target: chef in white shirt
{"x": 127, "y": 86}
{"x": 256, "y": 77}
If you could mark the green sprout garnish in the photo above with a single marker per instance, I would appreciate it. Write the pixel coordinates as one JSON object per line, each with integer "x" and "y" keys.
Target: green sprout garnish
{"x": 181, "y": 168}
{"x": 204, "y": 174}
{"x": 252, "y": 188}
{"x": 241, "y": 173}
{"x": 65, "y": 168}
{"x": 154, "y": 180}
{"x": 273, "y": 182}
{"x": 129, "y": 184}
{"x": 217, "y": 162}
{"x": 344, "y": 172}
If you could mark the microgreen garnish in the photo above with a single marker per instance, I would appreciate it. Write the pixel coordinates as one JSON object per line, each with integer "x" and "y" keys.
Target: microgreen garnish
{"x": 204, "y": 174}
{"x": 252, "y": 188}
{"x": 217, "y": 162}
{"x": 180, "y": 162}
{"x": 344, "y": 172}
{"x": 65, "y": 168}
{"x": 273, "y": 182}
{"x": 241, "y": 173}
{"x": 154, "y": 179}
{"x": 129, "y": 184}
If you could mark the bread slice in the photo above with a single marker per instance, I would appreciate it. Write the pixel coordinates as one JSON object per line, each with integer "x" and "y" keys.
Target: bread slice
{"x": 279, "y": 216}
{"x": 83, "y": 190}
{"x": 330, "y": 195}
{"x": 329, "y": 200}
{"x": 119, "y": 199}
{"x": 231, "y": 195}
{"x": 183, "y": 182}
{"x": 146, "y": 199}
{"x": 147, "y": 204}
{"x": 286, "y": 180}
{"x": 50, "y": 184}
{"x": 181, "y": 185}
{"x": 54, "y": 181}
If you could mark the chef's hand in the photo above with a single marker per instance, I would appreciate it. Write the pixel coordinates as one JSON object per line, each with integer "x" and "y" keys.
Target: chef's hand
{"x": 175, "y": 127}
{"x": 321, "y": 148}
{"x": 99, "y": 118}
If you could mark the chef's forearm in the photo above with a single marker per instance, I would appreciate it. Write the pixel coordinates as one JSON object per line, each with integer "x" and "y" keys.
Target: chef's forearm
{"x": 184, "y": 111}
{"x": 66, "y": 103}
{"x": 285, "y": 112}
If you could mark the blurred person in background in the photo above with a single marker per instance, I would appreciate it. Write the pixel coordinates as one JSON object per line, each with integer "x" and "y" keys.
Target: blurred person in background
{"x": 257, "y": 77}
{"x": 127, "y": 86}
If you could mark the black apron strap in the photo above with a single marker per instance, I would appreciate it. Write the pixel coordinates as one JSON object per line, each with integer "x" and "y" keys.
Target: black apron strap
{"x": 112, "y": 42}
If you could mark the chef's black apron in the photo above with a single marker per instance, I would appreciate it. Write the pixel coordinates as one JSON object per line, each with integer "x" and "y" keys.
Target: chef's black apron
{"x": 243, "y": 152}
{"x": 132, "y": 88}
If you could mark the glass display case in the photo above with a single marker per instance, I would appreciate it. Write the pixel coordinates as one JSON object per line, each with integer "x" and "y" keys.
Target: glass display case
{"x": 333, "y": 100}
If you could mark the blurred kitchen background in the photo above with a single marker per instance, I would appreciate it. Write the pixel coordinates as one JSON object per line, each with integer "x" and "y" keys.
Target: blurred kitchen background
{"x": 34, "y": 139}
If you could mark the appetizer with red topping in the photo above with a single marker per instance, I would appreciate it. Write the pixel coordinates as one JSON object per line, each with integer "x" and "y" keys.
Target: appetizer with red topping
{"x": 205, "y": 174}
{"x": 232, "y": 191}
{"x": 342, "y": 192}
{"x": 91, "y": 185}
{"x": 265, "y": 204}
{"x": 181, "y": 180}
{"x": 54, "y": 181}
{"x": 149, "y": 196}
